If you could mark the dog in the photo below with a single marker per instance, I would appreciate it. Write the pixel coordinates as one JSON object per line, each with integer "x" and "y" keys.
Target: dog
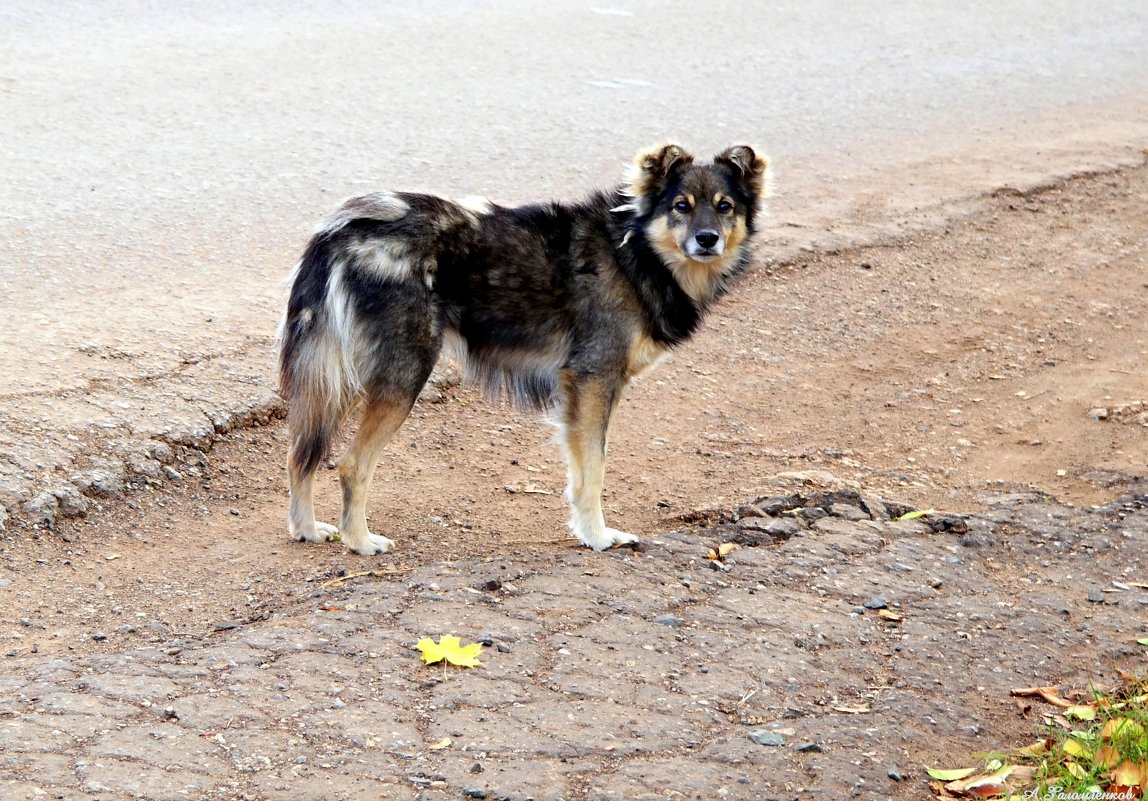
{"x": 554, "y": 306}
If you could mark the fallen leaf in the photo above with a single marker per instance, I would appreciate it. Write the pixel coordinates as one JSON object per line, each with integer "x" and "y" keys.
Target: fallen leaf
{"x": 915, "y": 515}
{"x": 1081, "y": 712}
{"x": 1107, "y": 757}
{"x": 1076, "y": 748}
{"x": 885, "y": 613}
{"x": 1036, "y": 749}
{"x": 441, "y": 744}
{"x": 1121, "y": 728}
{"x": 722, "y": 551}
{"x": 1143, "y": 641}
{"x": 1050, "y": 694}
{"x": 984, "y": 786}
{"x": 1076, "y": 771}
{"x": 950, "y": 775}
{"x": 451, "y": 649}
{"x": 1129, "y": 774}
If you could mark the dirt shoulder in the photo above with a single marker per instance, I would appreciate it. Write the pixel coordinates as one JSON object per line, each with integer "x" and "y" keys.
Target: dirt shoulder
{"x": 945, "y": 370}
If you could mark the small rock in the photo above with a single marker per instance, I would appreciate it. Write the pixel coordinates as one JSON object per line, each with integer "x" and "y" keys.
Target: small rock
{"x": 672, "y": 621}
{"x": 847, "y": 511}
{"x": 227, "y": 625}
{"x": 901, "y": 567}
{"x": 42, "y": 509}
{"x": 764, "y": 737}
{"x": 169, "y": 713}
{"x": 476, "y": 768}
{"x": 1098, "y": 413}
{"x": 72, "y": 502}
{"x": 876, "y": 603}
{"x": 936, "y": 583}
{"x": 895, "y": 774}
{"x": 810, "y": 748}
{"x": 98, "y": 483}
{"x": 99, "y": 636}
{"x": 1096, "y": 596}
{"x": 172, "y": 474}
{"x": 474, "y": 792}
{"x": 234, "y": 511}
{"x": 126, "y": 630}
{"x": 502, "y": 648}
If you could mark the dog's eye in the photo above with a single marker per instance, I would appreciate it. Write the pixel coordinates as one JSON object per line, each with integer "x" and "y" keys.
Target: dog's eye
{"x": 724, "y": 207}
{"x": 683, "y": 206}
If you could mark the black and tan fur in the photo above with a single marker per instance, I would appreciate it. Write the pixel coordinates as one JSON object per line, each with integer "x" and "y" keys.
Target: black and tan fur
{"x": 555, "y": 306}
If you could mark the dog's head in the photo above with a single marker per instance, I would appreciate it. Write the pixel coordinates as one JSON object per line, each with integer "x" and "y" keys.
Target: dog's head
{"x": 699, "y": 216}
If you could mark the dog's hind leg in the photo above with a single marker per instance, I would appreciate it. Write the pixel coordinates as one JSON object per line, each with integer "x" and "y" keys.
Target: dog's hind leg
{"x": 587, "y": 405}
{"x": 302, "y": 464}
{"x": 381, "y": 420}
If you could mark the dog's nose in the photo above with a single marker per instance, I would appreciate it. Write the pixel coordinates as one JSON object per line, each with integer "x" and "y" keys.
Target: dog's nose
{"x": 707, "y": 239}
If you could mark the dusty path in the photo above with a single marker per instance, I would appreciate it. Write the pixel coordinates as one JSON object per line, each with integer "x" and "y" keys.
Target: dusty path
{"x": 947, "y": 370}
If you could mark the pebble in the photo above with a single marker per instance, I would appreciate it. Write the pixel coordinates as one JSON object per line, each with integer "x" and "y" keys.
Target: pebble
{"x": 895, "y": 774}
{"x": 673, "y": 621}
{"x": 126, "y": 630}
{"x": 99, "y": 636}
{"x": 764, "y": 737}
{"x": 1096, "y": 596}
{"x": 474, "y": 792}
{"x": 876, "y": 603}
{"x": 1098, "y": 413}
{"x": 810, "y": 748}
{"x": 503, "y": 648}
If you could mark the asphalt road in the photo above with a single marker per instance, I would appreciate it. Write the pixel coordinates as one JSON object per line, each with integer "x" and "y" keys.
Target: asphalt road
{"x": 163, "y": 165}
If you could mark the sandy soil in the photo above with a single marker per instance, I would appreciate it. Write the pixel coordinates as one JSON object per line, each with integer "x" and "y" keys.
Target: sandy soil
{"x": 929, "y": 369}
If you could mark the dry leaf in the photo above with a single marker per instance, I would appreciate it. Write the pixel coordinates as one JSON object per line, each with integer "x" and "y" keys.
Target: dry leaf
{"x": 1050, "y": 694}
{"x": 985, "y": 786}
{"x": 1036, "y": 749}
{"x": 1076, "y": 748}
{"x": 1120, "y": 728}
{"x": 722, "y": 551}
{"x": 885, "y": 613}
{"x": 1081, "y": 712}
{"x": 441, "y": 744}
{"x": 1107, "y": 757}
{"x": 915, "y": 515}
{"x": 451, "y": 649}
{"x": 950, "y": 775}
{"x": 1130, "y": 774}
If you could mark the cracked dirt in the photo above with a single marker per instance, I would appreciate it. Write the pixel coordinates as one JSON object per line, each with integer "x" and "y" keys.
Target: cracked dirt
{"x": 991, "y": 368}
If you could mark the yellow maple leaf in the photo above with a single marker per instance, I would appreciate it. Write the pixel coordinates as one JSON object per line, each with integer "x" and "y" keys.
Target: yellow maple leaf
{"x": 451, "y": 649}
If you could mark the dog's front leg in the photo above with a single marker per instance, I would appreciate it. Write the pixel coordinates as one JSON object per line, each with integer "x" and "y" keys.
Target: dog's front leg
{"x": 587, "y": 404}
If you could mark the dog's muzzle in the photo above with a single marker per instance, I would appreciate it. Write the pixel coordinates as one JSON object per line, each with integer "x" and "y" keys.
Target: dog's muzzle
{"x": 705, "y": 245}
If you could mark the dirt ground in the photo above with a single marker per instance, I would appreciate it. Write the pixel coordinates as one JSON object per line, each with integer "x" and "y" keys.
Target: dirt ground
{"x": 1003, "y": 352}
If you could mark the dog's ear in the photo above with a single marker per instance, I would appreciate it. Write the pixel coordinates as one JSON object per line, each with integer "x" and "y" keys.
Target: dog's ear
{"x": 751, "y": 169}
{"x": 654, "y": 165}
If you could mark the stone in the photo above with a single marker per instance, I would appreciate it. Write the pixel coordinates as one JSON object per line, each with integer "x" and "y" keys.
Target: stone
{"x": 99, "y": 483}
{"x": 42, "y": 509}
{"x": 672, "y": 621}
{"x": 71, "y": 500}
{"x": 765, "y": 737}
{"x": 847, "y": 511}
{"x": 876, "y": 603}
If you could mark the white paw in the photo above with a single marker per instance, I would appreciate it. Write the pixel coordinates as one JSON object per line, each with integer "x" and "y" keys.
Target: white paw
{"x": 321, "y": 532}
{"x": 373, "y": 544}
{"x": 608, "y": 539}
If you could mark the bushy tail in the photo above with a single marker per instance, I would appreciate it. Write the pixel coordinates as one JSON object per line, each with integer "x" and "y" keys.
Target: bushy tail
{"x": 316, "y": 366}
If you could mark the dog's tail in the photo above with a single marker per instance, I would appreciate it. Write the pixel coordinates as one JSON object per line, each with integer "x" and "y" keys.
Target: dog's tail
{"x": 317, "y": 375}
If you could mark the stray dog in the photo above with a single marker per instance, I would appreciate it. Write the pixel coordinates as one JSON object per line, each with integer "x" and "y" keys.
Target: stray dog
{"x": 555, "y": 306}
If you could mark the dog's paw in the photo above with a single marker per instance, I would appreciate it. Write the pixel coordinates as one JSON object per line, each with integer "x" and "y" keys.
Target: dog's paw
{"x": 609, "y": 538}
{"x": 373, "y": 544}
{"x": 321, "y": 532}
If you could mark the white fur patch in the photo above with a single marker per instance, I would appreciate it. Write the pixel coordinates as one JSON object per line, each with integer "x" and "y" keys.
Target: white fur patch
{"x": 476, "y": 204}
{"x": 381, "y": 206}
